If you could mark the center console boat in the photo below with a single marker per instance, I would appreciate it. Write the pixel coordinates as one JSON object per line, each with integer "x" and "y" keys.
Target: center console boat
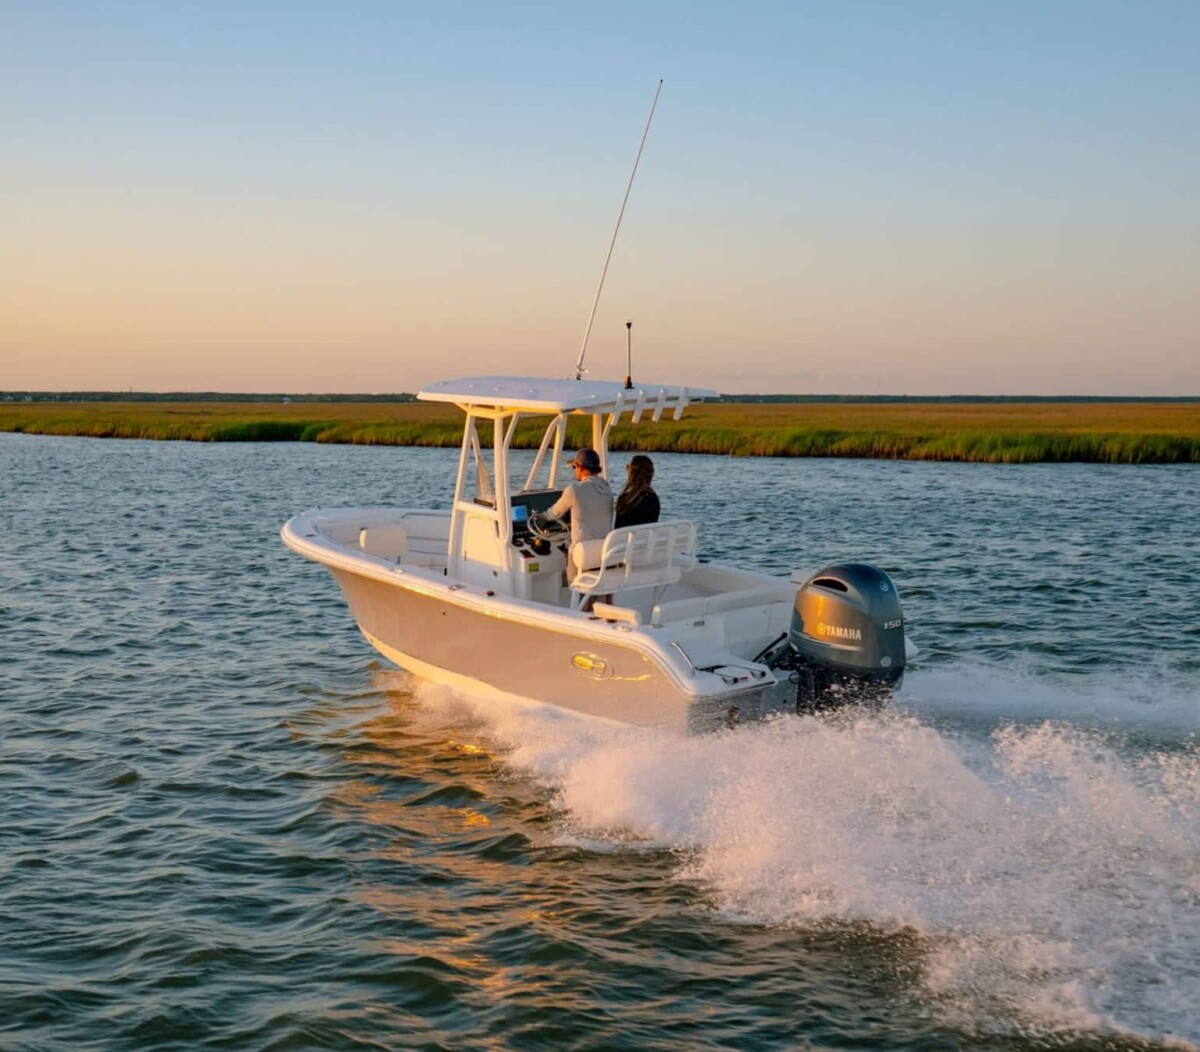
{"x": 483, "y": 598}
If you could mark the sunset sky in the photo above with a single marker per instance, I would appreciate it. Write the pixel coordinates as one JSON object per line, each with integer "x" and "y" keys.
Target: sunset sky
{"x": 918, "y": 197}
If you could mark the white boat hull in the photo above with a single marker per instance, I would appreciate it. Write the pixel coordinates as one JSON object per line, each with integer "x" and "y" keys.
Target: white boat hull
{"x": 471, "y": 638}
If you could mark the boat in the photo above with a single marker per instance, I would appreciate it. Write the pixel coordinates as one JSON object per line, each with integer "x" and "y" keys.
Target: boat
{"x": 487, "y": 597}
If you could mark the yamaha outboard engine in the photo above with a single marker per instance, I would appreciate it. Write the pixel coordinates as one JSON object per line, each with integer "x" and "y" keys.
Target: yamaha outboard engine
{"x": 846, "y": 641}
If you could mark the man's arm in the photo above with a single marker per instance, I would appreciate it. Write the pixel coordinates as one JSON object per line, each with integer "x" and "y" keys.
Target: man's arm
{"x": 563, "y": 505}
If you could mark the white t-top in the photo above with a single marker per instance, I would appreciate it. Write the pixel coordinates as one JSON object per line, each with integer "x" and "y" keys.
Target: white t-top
{"x": 557, "y": 396}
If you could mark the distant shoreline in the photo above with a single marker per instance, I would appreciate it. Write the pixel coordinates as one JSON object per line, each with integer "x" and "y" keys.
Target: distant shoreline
{"x": 403, "y": 397}
{"x": 992, "y": 430}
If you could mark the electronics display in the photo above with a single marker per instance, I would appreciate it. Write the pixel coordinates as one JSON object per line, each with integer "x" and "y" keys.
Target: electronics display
{"x": 526, "y": 504}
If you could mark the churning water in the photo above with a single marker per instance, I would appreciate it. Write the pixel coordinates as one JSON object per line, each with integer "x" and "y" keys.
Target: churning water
{"x": 227, "y": 825}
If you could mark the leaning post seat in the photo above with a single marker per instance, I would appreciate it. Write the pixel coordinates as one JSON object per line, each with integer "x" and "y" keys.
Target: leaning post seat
{"x": 650, "y": 556}
{"x": 586, "y": 555}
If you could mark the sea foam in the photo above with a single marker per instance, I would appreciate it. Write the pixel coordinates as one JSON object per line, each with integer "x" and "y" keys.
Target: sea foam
{"x": 1050, "y": 872}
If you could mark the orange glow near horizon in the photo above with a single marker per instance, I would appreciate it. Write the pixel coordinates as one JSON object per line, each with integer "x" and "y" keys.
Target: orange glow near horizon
{"x": 870, "y": 220}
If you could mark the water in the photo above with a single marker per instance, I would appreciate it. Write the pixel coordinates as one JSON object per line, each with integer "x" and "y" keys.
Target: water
{"x": 227, "y": 824}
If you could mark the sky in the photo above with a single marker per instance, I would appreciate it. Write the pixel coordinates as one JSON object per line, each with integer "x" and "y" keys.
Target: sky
{"x": 844, "y": 197}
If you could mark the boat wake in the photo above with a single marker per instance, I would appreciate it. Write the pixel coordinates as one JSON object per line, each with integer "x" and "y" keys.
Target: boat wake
{"x": 1046, "y": 874}
{"x": 1152, "y": 703}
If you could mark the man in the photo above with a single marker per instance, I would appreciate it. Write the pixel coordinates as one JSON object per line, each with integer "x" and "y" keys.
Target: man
{"x": 589, "y": 499}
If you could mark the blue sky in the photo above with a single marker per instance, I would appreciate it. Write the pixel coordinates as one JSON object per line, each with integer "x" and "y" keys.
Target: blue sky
{"x": 907, "y": 198}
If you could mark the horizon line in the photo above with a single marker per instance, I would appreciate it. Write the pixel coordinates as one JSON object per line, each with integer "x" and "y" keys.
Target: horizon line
{"x": 33, "y": 396}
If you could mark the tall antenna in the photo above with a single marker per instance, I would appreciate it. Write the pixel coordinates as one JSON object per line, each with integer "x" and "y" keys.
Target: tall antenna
{"x": 596, "y": 302}
{"x": 629, "y": 356}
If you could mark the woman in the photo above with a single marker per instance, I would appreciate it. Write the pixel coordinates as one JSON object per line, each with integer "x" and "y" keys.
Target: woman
{"x": 638, "y": 503}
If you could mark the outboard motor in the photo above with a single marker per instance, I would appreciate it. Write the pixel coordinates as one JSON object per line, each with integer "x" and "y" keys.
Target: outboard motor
{"x": 846, "y": 641}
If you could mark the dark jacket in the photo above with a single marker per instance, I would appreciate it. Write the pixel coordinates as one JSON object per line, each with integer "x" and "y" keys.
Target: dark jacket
{"x": 643, "y": 509}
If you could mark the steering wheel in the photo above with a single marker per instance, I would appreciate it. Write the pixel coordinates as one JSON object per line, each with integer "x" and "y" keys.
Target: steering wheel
{"x": 547, "y": 529}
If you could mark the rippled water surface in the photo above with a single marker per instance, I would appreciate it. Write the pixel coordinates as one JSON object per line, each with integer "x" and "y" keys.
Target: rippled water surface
{"x": 227, "y": 824}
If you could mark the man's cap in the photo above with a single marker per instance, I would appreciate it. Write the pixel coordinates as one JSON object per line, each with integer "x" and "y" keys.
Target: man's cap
{"x": 588, "y": 459}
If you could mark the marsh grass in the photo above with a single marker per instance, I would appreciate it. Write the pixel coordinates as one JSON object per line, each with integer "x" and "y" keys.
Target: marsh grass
{"x": 1011, "y": 433}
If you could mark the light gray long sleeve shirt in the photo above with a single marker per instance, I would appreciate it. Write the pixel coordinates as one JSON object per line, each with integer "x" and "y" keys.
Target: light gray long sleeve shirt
{"x": 590, "y": 502}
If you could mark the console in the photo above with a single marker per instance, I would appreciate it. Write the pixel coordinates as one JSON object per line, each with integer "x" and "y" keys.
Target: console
{"x": 525, "y": 504}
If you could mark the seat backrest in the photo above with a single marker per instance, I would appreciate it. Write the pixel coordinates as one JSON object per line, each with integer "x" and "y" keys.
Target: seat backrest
{"x": 656, "y": 553}
{"x": 659, "y": 541}
{"x": 650, "y": 556}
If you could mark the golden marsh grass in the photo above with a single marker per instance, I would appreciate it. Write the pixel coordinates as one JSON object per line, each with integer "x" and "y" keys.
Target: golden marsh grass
{"x": 995, "y": 432}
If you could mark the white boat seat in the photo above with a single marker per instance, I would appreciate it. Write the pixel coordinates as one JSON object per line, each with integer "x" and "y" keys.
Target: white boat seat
{"x": 697, "y": 607}
{"x": 385, "y": 540}
{"x": 650, "y": 556}
{"x": 585, "y": 555}
{"x": 618, "y": 614}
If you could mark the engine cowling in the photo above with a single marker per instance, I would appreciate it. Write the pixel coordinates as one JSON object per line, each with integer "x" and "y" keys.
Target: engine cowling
{"x": 846, "y": 639}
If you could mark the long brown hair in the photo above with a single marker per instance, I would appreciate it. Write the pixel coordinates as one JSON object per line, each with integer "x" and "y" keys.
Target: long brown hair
{"x": 641, "y": 474}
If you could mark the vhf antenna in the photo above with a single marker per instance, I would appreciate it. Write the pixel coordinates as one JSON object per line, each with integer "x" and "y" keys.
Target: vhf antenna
{"x": 596, "y": 302}
{"x": 629, "y": 356}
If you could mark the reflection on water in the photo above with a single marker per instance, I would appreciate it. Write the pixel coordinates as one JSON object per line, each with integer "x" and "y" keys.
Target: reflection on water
{"x": 226, "y": 823}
